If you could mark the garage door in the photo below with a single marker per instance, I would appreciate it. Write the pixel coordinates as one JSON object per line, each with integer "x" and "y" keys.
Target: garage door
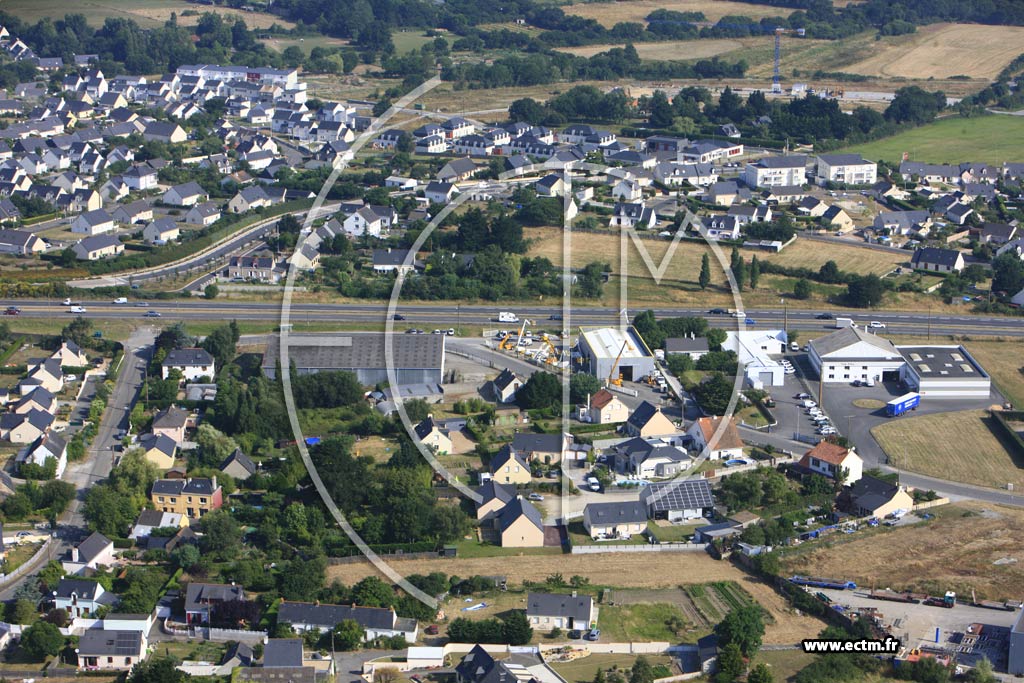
{"x": 891, "y": 376}
{"x": 767, "y": 379}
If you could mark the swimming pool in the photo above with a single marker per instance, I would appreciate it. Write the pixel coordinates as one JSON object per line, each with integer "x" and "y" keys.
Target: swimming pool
{"x": 734, "y": 462}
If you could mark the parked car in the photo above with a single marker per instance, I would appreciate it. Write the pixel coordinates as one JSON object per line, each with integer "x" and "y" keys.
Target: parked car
{"x": 432, "y": 630}
{"x": 451, "y": 331}
{"x": 70, "y": 378}
{"x": 802, "y": 396}
{"x": 575, "y": 634}
{"x": 437, "y": 331}
{"x": 593, "y": 634}
{"x": 535, "y": 496}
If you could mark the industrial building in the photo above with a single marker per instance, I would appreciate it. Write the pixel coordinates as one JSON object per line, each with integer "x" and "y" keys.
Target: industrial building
{"x": 418, "y": 358}
{"x": 609, "y": 349}
{"x": 944, "y": 372}
{"x": 853, "y": 354}
{"x": 754, "y": 349}
{"x": 1015, "y": 663}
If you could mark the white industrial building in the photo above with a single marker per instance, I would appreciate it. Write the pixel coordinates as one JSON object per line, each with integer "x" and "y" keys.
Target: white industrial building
{"x": 944, "y": 372}
{"x": 755, "y": 349}
{"x": 607, "y": 349}
{"x": 853, "y": 354}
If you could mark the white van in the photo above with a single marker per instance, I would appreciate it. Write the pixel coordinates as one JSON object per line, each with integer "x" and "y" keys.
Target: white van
{"x": 507, "y": 317}
{"x": 77, "y": 309}
{"x": 121, "y": 300}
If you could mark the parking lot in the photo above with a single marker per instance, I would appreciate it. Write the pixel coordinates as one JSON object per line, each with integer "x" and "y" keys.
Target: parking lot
{"x": 915, "y": 625}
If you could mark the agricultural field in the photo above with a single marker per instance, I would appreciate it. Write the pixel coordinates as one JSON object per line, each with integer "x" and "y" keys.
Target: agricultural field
{"x": 146, "y": 13}
{"x": 280, "y": 44}
{"x": 611, "y": 13}
{"x": 1004, "y": 362}
{"x": 627, "y": 570}
{"x": 671, "y": 49}
{"x": 958, "y": 550}
{"x": 986, "y": 139}
{"x": 944, "y": 50}
{"x": 934, "y": 445}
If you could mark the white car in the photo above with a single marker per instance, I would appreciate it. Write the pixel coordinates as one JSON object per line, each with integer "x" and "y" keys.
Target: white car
{"x": 739, "y": 314}
{"x": 70, "y": 378}
{"x": 66, "y": 302}
{"x": 876, "y": 325}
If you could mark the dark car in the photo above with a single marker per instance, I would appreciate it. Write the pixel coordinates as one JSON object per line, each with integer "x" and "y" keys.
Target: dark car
{"x": 575, "y": 634}
{"x": 717, "y": 311}
{"x": 398, "y": 316}
{"x": 12, "y": 310}
{"x": 432, "y": 630}
{"x": 823, "y": 316}
{"x": 555, "y": 316}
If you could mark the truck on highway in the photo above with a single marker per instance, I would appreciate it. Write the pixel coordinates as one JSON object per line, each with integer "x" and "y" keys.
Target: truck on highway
{"x": 902, "y": 404}
{"x": 844, "y": 322}
{"x": 507, "y": 317}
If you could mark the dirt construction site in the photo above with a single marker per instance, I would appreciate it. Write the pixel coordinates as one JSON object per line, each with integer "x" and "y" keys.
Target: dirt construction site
{"x": 666, "y": 571}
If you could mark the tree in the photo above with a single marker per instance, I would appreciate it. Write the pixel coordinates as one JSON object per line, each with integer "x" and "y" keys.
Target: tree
{"x": 303, "y": 579}
{"x": 981, "y": 673}
{"x": 865, "y": 291}
{"x": 743, "y": 626}
{"x": 704, "y": 279}
{"x": 755, "y": 272}
{"x": 641, "y": 671}
{"x": 760, "y": 674}
{"x": 739, "y": 273}
{"x": 730, "y": 663}
{"x": 348, "y": 635}
{"x": 222, "y": 535}
{"x": 156, "y": 670}
{"x": 1008, "y": 273}
{"x": 25, "y": 612}
{"x": 714, "y": 394}
{"x": 541, "y": 390}
{"x": 802, "y": 289}
{"x": 186, "y": 556}
{"x": 516, "y": 628}
{"x": 372, "y": 592}
{"x": 661, "y": 113}
{"x": 214, "y": 445}
{"x": 41, "y": 640}
{"x": 211, "y": 291}
{"x": 582, "y": 385}
{"x": 830, "y": 273}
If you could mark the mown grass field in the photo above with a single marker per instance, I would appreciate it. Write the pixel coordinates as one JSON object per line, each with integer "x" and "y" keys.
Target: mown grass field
{"x": 1004, "y": 362}
{"x": 987, "y": 139}
{"x": 611, "y": 13}
{"x": 584, "y": 669}
{"x": 146, "y": 13}
{"x": 965, "y": 443}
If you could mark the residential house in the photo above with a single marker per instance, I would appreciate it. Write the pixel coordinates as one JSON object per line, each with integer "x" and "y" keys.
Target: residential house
{"x": 728, "y": 446}
{"x": 363, "y": 222}
{"x": 140, "y": 177}
{"x": 238, "y": 465}
{"x": 94, "y": 552}
{"x": 937, "y": 260}
{"x": 834, "y": 462}
{"x": 779, "y": 170}
{"x": 627, "y": 191}
{"x": 958, "y": 213}
{"x": 156, "y": 519}
{"x": 673, "y": 174}
{"x": 548, "y": 611}
{"x": 930, "y": 173}
{"x": 519, "y": 525}
{"x": 615, "y": 520}
{"x": 97, "y": 247}
{"x": 493, "y": 498}
{"x": 812, "y": 206}
{"x": 186, "y": 194}
{"x": 678, "y": 500}
{"x": 508, "y": 467}
{"x": 457, "y": 127}
{"x": 750, "y": 214}
{"x": 633, "y": 216}
{"x": 163, "y": 131}
{"x": 400, "y": 183}
{"x": 93, "y": 222}
{"x": 505, "y": 386}
{"x": 724, "y": 193}
{"x": 997, "y": 233}
{"x": 193, "y": 497}
{"x": 47, "y": 447}
{"x": 902, "y": 222}
{"x": 376, "y": 622}
{"x": 871, "y": 497}
{"x": 393, "y": 260}
{"x": 202, "y": 598}
{"x": 161, "y": 231}
{"x": 432, "y": 436}
{"x": 284, "y": 660}
{"x": 20, "y": 243}
{"x": 136, "y": 212}
{"x": 849, "y": 169}
{"x": 71, "y": 355}
{"x": 205, "y": 214}
{"x": 38, "y": 398}
{"x": 159, "y": 449}
{"x": 81, "y": 598}
{"x": 546, "y": 448}
{"x": 607, "y": 408}
{"x": 694, "y": 347}
{"x": 647, "y": 420}
{"x": 248, "y": 199}
{"x": 836, "y": 217}
{"x": 457, "y": 170}
{"x": 474, "y": 146}
{"x": 192, "y": 363}
{"x": 650, "y": 458}
{"x": 432, "y": 144}
{"x": 100, "y": 649}
{"x": 551, "y": 185}
{"x": 25, "y": 428}
{"x": 45, "y": 373}
{"x": 258, "y": 268}
{"x": 721, "y": 227}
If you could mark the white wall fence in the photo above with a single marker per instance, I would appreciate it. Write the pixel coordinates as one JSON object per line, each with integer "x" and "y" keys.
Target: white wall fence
{"x": 647, "y": 548}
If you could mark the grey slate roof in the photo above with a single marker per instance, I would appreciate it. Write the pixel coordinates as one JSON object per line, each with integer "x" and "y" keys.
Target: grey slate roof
{"x": 848, "y": 336}
{"x": 942, "y": 257}
{"x": 517, "y": 508}
{"x": 91, "y": 547}
{"x": 87, "y": 590}
{"x": 504, "y": 455}
{"x": 242, "y": 459}
{"x": 100, "y": 642}
{"x": 624, "y": 512}
{"x": 871, "y": 493}
{"x": 172, "y": 417}
{"x": 559, "y": 605}
{"x": 282, "y": 652}
{"x": 327, "y": 617}
{"x": 537, "y": 443}
{"x": 188, "y": 358}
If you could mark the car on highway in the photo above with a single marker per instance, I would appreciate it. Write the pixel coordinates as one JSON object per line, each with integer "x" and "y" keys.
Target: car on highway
{"x": 739, "y": 314}
{"x": 555, "y": 316}
{"x": 120, "y": 300}
{"x": 151, "y": 314}
{"x": 77, "y": 309}
{"x": 12, "y": 310}
{"x": 876, "y": 325}
{"x": 750, "y": 321}
{"x": 398, "y": 316}
{"x": 142, "y": 304}
{"x": 717, "y": 311}
{"x": 823, "y": 316}
{"x": 66, "y": 302}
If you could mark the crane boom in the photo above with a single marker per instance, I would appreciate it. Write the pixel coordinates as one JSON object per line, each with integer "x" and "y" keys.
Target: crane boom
{"x": 612, "y": 377}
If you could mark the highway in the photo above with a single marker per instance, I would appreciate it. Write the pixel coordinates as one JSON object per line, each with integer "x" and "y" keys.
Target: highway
{"x": 448, "y": 315}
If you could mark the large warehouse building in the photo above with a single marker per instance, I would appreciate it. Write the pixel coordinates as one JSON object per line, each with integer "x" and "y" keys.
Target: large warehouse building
{"x": 600, "y": 348}
{"x": 755, "y": 349}
{"x": 852, "y": 353}
{"x": 944, "y": 371}
{"x": 418, "y": 358}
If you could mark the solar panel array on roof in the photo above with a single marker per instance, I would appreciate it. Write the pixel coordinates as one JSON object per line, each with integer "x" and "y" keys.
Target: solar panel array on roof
{"x": 678, "y": 495}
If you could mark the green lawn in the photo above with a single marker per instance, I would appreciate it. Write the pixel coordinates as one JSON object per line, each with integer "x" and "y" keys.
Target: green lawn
{"x": 406, "y": 41}
{"x": 644, "y": 621}
{"x": 988, "y": 139}
{"x": 583, "y": 670}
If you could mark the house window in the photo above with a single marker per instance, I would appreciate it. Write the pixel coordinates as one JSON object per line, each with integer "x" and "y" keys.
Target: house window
{"x": 110, "y": 660}
{"x": 202, "y": 500}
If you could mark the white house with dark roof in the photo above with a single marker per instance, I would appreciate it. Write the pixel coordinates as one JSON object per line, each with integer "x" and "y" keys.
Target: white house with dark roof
{"x": 97, "y": 247}
{"x": 458, "y": 170}
{"x": 20, "y": 243}
{"x": 204, "y": 214}
{"x": 161, "y": 231}
{"x": 193, "y": 363}
{"x": 505, "y": 386}
{"x": 81, "y": 598}
{"x": 438, "y": 192}
{"x": 778, "y": 170}
{"x": 186, "y": 194}
{"x": 633, "y": 215}
{"x": 363, "y": 222}
{"x": 95, "y": 551}
{"x": 933, "y": 259}
{"x": 376, "y": 622}
{"x": 620, "y": 519}
{"x": 392, "y": 260}
{"x": 850, "y": 169}
{"x": 93, "y": 222}
{"x": 49, "y": 446}
{"x": 566, "y": 611}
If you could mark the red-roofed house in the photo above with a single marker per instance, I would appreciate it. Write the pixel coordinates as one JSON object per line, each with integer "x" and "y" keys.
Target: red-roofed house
{"x": 828, "y": 458}
{"x": 606, "y": 408}
{"x": 729, "y": 444}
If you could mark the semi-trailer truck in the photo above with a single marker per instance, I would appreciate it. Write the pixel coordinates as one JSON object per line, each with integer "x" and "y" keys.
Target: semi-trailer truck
{"x": 902, "y": 404}
{"x": 844, "y": 322}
